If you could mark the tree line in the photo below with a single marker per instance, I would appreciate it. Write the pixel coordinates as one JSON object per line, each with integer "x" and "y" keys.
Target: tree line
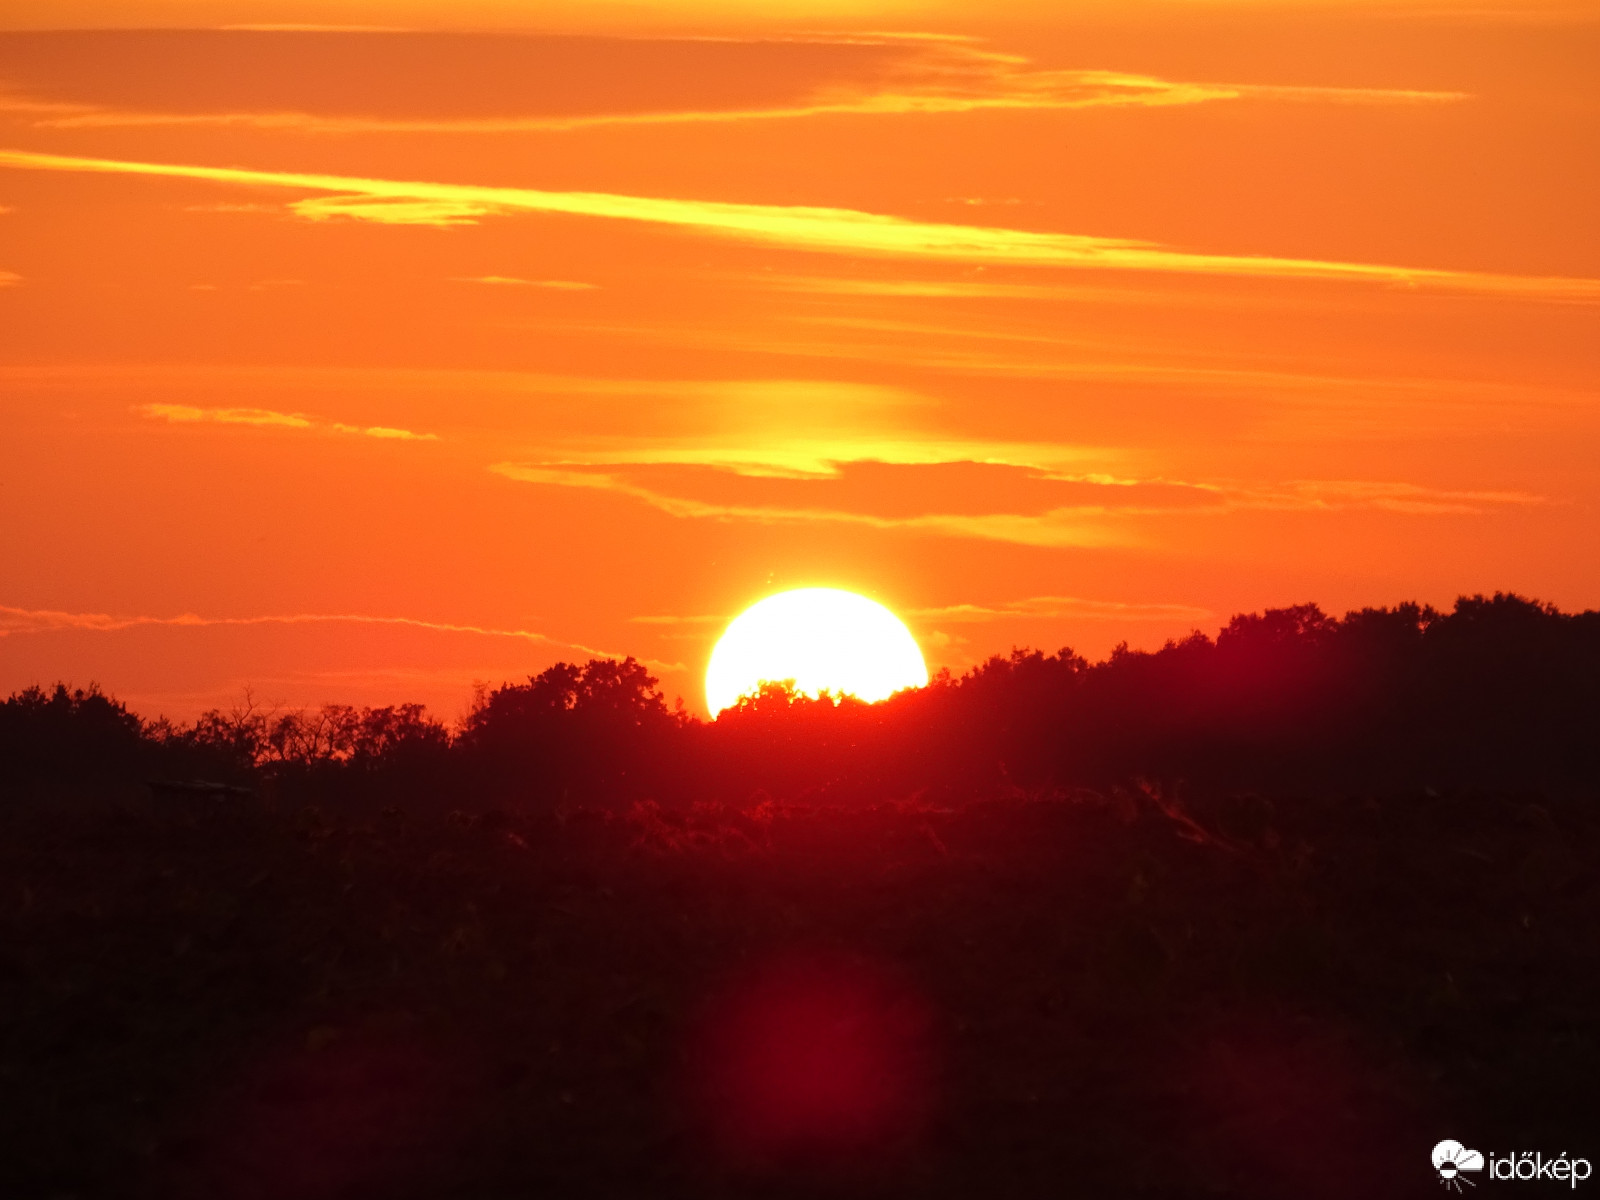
{"x": 1500, "y": 692}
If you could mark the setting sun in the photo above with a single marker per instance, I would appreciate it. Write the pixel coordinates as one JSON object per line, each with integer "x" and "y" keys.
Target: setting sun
{"x": 823, "y": 639}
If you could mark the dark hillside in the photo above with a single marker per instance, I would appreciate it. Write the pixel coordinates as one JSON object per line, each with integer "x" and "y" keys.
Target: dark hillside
{"x": 235, "y": 999}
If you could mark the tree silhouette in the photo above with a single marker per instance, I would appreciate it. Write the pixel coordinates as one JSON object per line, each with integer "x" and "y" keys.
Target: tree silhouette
{"x": 78, "y": 732}
{"x": 1500, "y": 692}
{"x": 600, "y": 734}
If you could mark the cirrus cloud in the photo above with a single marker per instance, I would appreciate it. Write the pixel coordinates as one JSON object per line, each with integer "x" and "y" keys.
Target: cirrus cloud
{"x": 868, "y": 75}
{"x": 266, "y": 418}
{"x": 15, "y": 621}
{"x": 1058, "y": 511}
{"x": 803, "y": 227}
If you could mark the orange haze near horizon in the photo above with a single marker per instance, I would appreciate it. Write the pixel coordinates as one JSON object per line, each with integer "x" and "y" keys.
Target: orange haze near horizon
{"x": 437, "y": 343}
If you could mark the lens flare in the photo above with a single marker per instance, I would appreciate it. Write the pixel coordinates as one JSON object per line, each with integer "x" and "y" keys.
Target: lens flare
{"x": 813, "y": 1058}
{"x": 823, "y": 639}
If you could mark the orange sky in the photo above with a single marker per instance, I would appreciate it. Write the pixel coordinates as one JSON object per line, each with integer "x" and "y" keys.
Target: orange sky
{"x": 364, "y": 365}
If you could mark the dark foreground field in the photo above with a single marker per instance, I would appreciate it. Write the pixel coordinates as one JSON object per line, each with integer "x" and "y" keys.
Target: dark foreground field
{"x": 1090, "y": 995}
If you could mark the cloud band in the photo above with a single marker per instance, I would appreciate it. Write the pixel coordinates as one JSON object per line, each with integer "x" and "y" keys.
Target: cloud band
{"x": 799, "y": 227}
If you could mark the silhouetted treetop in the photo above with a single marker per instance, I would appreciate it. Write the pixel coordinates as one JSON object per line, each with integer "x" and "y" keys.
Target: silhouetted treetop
{"x": 1500, "y": 691}
{"x": 599, "y": 733}
{"x": 81, "y": 730}
{"x": 624, "y": 690}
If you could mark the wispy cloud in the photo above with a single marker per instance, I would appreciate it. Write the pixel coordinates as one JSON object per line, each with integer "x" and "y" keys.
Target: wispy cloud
{"x": 1111, "y": 517}
{"x": 801, "y": 427}
{"x": 266, "y": 418}
{"x": 787, "y": 428}
{"x": 757, "y": 454}
{"x": 260, "y": 285}
{"x": 226, "y": 207}
{"x": 311, "y": 27}
{"x": 822, "y": 230}
{"x": 1411, "y": 498}
{"x": 677, "y": 619}
{"x": 558, "y": 285}
{"x": 940, "y": 289}
{"x": 13, "y": 103}
{"x": 1291, "y": 403}
{"x": 792, "y": 407}
{"x": 9, "y": 279}
{"x": 1032, "y": 607}
{"x": 440, "y": 211}
{"x": 1060, "y": 528}
{"x": 1064, "y": 607}
{"x": 41, "y": 620}
{"x": 183, "y": 414}
{"x": 926, "y": 75}
{"x": 24, "y": 621}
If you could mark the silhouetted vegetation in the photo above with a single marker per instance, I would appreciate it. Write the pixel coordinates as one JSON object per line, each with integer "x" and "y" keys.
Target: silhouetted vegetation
{"x": 600, "y": 733}
{"x": 1500, "y": 692}
{"x": 1262, "y": 915}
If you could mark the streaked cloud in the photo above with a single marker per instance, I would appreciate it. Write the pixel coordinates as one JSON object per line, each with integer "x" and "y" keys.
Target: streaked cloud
{"x": 787, "y": 428}
{"x": 1064, "y": 607}
{"x": 795, "y": 407}
{"x": 9, "y": 279}
{"x": 1414, "y": 499}
{"x": 803, "y": 427}
{"x": 442, "y": 212}
{"x": 684, "y": 17}
{"x": 183, "y": 414}
{"x": 1032, "y": 607}
{"x": 1056, "y": 529}
{"x": 676, "y": 619}
{"x": 18, "y": 105}
{"x": 939, "y": 289}
{"x": 266, "y": 418}
{"x": 1111, "y": 517}
{"x": 225, "y": 207}
{"x": 36, "y": 620}
{"x": 260, "y": 285}
{"x": 922, "y": 75}
{"x": 1290, "y": 403}
{"x": 822, "y": 230}
{"x": 312, "y": 27}
{"x": 559, "y": 285}
{"x": 820, "y": 457}
{"x": 24, "y": 621}
{"x": 387, "y": 433}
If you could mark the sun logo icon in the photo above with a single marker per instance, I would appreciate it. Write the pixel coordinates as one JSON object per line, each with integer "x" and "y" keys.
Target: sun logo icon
{"x": 1450, "y": 1159}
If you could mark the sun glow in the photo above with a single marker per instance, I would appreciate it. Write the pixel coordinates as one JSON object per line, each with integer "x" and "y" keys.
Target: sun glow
{"x": 823, "y": 639}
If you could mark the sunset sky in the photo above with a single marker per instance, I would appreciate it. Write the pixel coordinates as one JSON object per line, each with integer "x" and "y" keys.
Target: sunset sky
{"x": 363, "y": 350}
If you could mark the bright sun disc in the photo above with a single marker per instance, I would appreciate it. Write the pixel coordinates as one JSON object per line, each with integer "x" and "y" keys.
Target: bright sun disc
{"x": 823, "y": 639}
